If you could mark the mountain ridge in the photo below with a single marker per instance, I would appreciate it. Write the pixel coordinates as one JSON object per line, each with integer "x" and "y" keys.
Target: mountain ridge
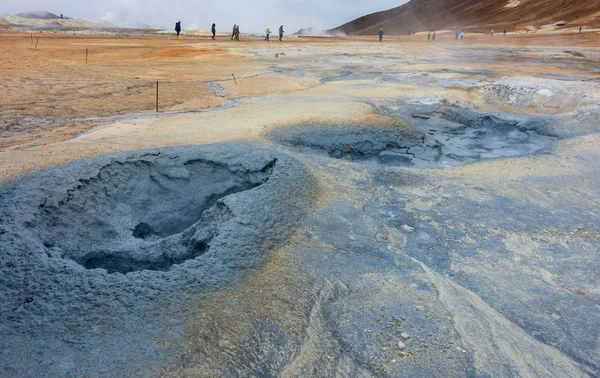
{"x": 477, "y": 16}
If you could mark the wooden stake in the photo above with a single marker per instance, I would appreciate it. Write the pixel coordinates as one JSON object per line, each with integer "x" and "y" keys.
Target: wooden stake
{"x": 157, "y": 96}
{"x": 36, "y": 42}
{"x": 234, "y": 79}
{"x": 86, "y": 55}
{"x": 32, "y": 39}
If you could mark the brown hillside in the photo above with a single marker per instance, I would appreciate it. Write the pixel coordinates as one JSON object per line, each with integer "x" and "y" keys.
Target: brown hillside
{"x": 478, "y": 15}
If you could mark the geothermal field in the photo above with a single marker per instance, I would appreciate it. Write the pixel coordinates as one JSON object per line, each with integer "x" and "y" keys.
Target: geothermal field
{"x": 318, "y": 207}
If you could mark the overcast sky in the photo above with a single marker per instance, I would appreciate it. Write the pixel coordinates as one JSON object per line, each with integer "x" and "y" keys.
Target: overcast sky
{"x": 252, "y": 15}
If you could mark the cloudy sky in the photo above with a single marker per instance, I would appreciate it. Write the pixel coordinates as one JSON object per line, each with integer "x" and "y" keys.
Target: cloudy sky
{"x": 252, "y": 15}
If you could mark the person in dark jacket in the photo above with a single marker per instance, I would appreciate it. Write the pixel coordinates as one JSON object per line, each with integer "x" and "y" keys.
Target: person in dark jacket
{"x": 380, "y": 34}
{"x": 281, "y": 32}
{"x": 178, "y": 28}
{"x": 237, "y": 32}
{"x": 213, "y": 29}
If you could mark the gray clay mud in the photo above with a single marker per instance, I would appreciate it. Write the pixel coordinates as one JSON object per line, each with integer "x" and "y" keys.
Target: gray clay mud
{"x": 435, "y": 138}
{"x": 156, "y": 216}
{"x": 118, "y": 242}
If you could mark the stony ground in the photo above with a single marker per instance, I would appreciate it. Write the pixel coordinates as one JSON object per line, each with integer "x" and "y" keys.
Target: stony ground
{"x": 449, "y": 197}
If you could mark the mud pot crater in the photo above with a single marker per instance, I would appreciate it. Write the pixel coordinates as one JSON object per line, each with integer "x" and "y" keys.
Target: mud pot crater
{"x": 431, "y": 138}
{"x": 151, "y": 211}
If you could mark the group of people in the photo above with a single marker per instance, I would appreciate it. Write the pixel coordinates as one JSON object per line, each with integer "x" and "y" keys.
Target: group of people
{"x": 235, "y": 32}
{"x": 268, "y": 33}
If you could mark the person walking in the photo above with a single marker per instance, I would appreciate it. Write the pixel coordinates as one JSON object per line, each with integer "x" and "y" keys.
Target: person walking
{"x": 213, "y": 29}
{"x": 237, "y": 32}
{"x": 505, "y": 32}
{"x": 433, "y": 37}
{"x": 268, "y": 32}
{"x": 462, "y": 35}
{"x": 428, "y": 36}
{"x": 580, "y": 28}
{"x": 233, "y": 32}
{"x": 456, "y": 39}
{"x": 380, "y": 34}
{"x": 178, "y": 28}
{"x": 492, "y": 32}
{"x": 281, "y": 33}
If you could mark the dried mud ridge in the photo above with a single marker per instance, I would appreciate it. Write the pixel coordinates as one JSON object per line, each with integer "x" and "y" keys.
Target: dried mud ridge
{"x": 433, "y": 138}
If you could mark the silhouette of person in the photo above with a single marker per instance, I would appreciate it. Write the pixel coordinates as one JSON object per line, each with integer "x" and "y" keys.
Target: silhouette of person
{"x": 178, "y": 28}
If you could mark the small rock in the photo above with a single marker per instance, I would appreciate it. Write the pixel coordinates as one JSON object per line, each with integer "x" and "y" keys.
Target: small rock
{"x": 346, "y": 149}
{"x": 419, "y": 308}
{"x": 407, "y": 228}
{"x": 401, "y": 345}
{"x": 405, "y": 335}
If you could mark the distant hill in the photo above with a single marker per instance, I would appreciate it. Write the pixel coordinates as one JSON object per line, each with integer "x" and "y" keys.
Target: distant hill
{"x": 39, "y": 15}
{"x": 478, "y": 15}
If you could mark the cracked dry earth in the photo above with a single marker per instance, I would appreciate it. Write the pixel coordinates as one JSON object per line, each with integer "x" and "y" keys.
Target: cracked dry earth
{"x": 388, "y": 210}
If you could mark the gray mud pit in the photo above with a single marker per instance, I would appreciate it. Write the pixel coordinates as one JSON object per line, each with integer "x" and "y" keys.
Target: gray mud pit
{"x": 141, "y": 215}
{"x": 119, "y": 242}
{"x": 436, "y": 138}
